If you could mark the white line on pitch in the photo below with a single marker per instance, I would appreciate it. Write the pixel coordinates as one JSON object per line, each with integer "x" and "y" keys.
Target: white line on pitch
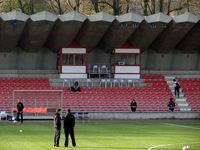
{"x": 165, "y": 145}
{"x": 171, "y": 124}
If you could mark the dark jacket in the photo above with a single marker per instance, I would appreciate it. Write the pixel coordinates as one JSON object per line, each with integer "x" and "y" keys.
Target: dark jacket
{"x": 20, "y": 107}
{"x": 69, "y": 122}
{"x": 171, "y": 104}
{"x": 133, "y": 104}
{"x": 57, "y": 121}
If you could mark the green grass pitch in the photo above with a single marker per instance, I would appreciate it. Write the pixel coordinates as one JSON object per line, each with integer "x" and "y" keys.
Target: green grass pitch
{"x": 104, "y": 135}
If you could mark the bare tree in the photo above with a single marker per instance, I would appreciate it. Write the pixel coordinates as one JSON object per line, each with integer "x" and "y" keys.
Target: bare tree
{"x": 62, "y": 6}
{"x": 115, "y": 5}
{"x": 188, "y": 5}
{"x": 145, "y": 7}
{"x": 161, "y": 3}
{"x": 95, "y": 5}
{"x": 153, "y": 7}
{"x": 127, "y": 5}
{"x": 21, "y": 6}
{"x": 171, "y": 9}
{"x": 55, "y": 6}
{"x": 75, "y": 5}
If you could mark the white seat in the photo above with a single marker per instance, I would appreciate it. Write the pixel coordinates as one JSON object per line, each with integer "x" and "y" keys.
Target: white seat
{"x": 95, "y": 69}
{"x": 103, "y": 81}
{"x": 129, "y": 83}
{"x": 66, "y": 83}
{"x": 115, "y": 83}
{"x": 104, "y": 69}
{"x": 108, "y": 82}
{"x": 89, "y": 82}
{"x": 122, "y": 83}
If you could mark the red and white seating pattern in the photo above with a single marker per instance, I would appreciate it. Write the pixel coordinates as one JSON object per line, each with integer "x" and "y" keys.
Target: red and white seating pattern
{"x": 191, "y": 89}
{"x": 153, "y": 96}
{"x": 7, "y": 85}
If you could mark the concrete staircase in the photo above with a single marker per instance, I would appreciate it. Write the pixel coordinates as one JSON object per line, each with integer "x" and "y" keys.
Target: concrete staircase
{"x": 181, "y": 100}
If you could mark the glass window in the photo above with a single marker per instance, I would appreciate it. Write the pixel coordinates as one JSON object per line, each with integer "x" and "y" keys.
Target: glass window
{"x": 73, "y": 59}
{"x": 127, "y": 59}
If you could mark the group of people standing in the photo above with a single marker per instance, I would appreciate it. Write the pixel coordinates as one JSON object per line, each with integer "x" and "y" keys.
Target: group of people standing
{"x": 69, "y": 124}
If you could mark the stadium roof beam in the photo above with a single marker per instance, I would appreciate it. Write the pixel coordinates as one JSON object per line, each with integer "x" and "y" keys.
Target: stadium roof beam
{"x": 37, "y": 30}
{"x": 121, "y": 30}
{"x": 11, "y": 27}
{"x": 148, "y": 31}
{"x": 174, "y": 33}
{"x": 65, "y": 30}
{"x": 191, "y": 42}
{"x": 94, "y": 29}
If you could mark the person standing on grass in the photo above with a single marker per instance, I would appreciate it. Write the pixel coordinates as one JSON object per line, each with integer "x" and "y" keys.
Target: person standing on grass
{"x": 20, "y": 108}
{"x": 57, "y": 128}
{"x": 69, "y": 123}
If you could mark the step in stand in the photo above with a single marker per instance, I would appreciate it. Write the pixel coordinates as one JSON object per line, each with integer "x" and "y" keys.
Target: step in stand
{"x": 181, "y": 100}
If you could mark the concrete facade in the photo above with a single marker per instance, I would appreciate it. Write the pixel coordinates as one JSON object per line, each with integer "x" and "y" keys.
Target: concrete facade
{"x": 166, "y": 43}
{"x": 143, "y": 115}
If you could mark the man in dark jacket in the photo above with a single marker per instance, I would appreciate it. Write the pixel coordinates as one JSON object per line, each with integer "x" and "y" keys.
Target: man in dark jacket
{"x": 171, "y": 104}
{"x": 176, "y": 87}
{"x": 20, "y": 108}
{"x": 76, "y": 87}
{"x": 69, "y": 124}
{"x": 57, "y": 128}
{"x": 133, "y": 106}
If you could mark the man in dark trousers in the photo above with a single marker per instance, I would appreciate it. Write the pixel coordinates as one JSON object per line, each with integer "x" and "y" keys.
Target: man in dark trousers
{"x": 57, "y": 128}
{"x": 69, "y": 124}
{"x": 171, "y": 104}
{"x": 20, "y": 108}
{"x": 133, "y": 106}
{"x": 176, "y": 87}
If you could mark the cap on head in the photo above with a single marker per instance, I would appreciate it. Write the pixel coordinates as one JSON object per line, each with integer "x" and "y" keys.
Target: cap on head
{"x": 171, "y": 98}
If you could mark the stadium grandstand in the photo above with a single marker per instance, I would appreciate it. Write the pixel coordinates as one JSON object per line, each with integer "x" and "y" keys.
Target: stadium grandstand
{"x": 114, "y": 59}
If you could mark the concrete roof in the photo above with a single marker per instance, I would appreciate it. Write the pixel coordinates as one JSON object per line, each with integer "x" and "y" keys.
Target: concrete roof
{"x": 186, "y": 17}
{"x": 44, "y": 29}
{"x": 159, "y": 17}
{"x": 101, "y": 16}
{"x": 44, "y": 15}
{"x": 72, "y": 16}
{"x": 130, "y": 17}
{"x": 14, "y": 15}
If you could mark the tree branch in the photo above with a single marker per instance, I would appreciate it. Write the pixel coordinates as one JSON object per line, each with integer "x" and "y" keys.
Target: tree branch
{"x": 168, "y": 7}
{"x": 175, "y": 9}
{"x": 70, "y": 5}
{"x": 95, "y": 5}
{"x": 106, "y": 4}
{"x": 149, "y": 8}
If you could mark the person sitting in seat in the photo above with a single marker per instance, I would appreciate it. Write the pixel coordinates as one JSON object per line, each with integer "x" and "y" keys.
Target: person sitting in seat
{"x": 133, "y": 105}
{"x": 171, "y": 104}
{"x": 75, "y": 87}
